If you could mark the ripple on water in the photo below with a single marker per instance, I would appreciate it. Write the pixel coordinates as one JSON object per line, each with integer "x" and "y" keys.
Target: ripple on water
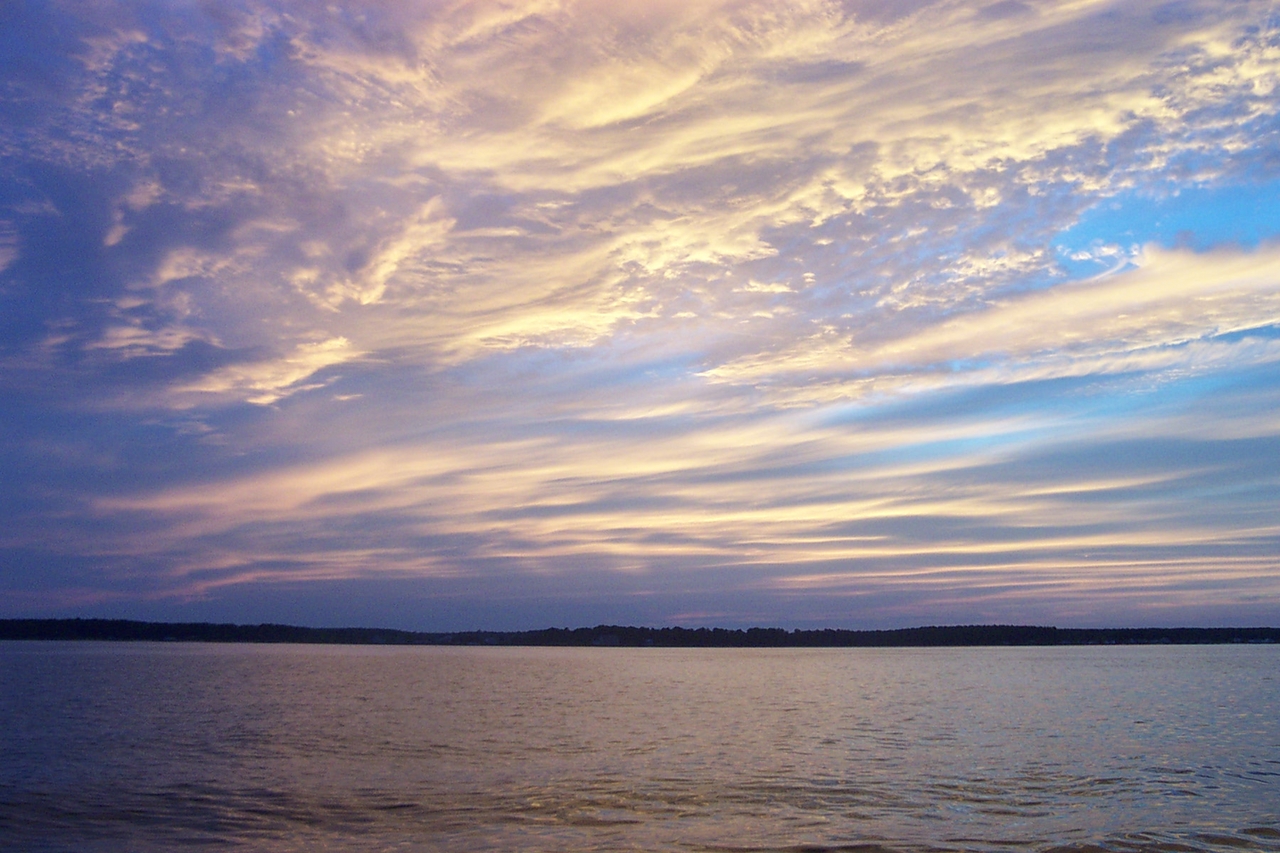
{"x": 324, "y": 748}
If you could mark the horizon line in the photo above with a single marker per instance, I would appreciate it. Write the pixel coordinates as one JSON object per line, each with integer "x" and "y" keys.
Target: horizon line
{"x": 127, "y": 630}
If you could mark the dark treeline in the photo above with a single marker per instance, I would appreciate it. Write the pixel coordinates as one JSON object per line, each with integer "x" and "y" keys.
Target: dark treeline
{"x": 617, "y": 635}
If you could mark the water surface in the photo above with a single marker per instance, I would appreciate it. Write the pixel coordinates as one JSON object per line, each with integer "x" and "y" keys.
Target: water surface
{"x": 149, "y": 747}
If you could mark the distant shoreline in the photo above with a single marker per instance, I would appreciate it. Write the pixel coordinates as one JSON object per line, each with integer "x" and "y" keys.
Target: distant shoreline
{"x": 125, "y": 630}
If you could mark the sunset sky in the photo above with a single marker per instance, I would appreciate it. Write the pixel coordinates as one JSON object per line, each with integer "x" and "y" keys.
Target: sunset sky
{"x": 448, "y": 315}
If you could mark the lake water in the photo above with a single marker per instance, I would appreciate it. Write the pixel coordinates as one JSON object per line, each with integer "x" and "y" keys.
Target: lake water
{"x": 151, "y": 747}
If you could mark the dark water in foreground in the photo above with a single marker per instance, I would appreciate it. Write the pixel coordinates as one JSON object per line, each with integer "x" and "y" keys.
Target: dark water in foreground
{"x": 149, "y": 747}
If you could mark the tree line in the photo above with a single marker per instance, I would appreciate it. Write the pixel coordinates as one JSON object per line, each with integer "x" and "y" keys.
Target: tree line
{"x": 630, "y": 636}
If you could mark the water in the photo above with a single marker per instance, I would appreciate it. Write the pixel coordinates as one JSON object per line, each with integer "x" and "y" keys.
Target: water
{"x": 150, "y": 747}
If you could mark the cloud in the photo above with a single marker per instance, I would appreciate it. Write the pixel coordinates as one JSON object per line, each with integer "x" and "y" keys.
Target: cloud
{"x": 266, "y": 382}
{"x": 1169, "y": 310}
{"x": 8, "y": 246}
{"x": 641, "y": 158}
{"x": 1050, "y": 501}
{"x": 766, "y": 294}
{"x": 1171, "y": 298}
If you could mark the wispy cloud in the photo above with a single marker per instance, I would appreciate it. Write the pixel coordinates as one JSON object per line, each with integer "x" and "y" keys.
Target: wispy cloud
{"x": 268, "y": 381}
{"x": 1169, "y": 311}
{"x": 767, "y": 294}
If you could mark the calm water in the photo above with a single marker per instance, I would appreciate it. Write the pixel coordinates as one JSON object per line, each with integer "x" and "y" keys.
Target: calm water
{"x": 149, "y": 747}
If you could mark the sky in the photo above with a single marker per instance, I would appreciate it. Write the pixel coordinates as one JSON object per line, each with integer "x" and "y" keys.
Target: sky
{"x": 505, "y": 315}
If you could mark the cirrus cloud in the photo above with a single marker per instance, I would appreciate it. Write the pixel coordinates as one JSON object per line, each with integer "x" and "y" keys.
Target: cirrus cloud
{"x": 729, "y": 302}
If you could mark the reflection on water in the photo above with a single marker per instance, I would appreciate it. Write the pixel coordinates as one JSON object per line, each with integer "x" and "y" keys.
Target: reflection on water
{"x": 161, "y": 746}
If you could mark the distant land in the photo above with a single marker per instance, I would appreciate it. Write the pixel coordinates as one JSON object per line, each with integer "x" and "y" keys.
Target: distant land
{"x": 619, "y": 635}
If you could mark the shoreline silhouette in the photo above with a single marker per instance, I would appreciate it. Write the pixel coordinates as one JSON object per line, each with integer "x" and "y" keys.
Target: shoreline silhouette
{"x": 125, "y": 630}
